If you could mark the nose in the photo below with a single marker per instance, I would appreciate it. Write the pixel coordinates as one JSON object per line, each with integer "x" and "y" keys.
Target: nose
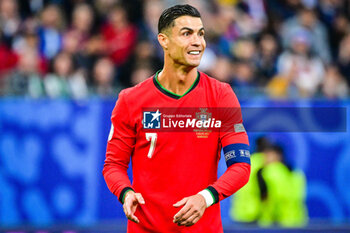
{"x": 196, "y": 40}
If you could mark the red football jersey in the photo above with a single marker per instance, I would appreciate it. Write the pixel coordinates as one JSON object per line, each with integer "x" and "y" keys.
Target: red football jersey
{"x": 167, "y": 165}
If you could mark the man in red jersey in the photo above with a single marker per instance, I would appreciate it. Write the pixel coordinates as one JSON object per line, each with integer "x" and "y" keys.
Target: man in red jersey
{"x": 175, "y": 186}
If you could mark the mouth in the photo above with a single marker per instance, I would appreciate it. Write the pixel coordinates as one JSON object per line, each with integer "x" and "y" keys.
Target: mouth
{"x": 194, "y": 52}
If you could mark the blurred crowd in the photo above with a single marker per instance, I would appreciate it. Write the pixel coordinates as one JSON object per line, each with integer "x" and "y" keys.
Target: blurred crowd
{"x": 78, "y": 48}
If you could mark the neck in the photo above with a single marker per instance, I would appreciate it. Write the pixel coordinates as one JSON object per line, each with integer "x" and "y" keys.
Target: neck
{"x": 179, "y": 79}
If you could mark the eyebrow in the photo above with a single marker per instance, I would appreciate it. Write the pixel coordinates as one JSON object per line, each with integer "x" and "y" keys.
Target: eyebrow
{"x": 190, "y": 29}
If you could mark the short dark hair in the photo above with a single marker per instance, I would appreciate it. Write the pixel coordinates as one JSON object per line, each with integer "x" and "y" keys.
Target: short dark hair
{"x": 262, "y": 143}
{"x": 169, "y": 15}
{"x": 275, "y": 148}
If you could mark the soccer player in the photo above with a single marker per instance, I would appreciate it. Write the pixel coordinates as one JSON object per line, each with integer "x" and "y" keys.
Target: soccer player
{"x": 175, "y": 186}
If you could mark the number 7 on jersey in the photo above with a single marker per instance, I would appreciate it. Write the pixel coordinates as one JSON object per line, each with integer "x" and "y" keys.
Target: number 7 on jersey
{"x": 153, "y": 138}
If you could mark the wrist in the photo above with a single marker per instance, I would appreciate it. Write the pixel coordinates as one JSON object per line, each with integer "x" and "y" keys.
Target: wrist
{"x": 127, "y": 194}
{"x": 208, "y": 197}
{"x": 123, "y": 193}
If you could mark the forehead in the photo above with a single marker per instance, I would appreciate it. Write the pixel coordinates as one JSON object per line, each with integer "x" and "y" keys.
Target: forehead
{"x": 194, "y": 23}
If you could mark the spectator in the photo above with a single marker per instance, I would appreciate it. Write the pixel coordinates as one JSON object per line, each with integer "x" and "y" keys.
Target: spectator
{"x": 257, "y": 39}
{"x": 245, "y": 22}
{"x": 329, "y": 10}
{"x": 243, "y": 81}
{"x": 283, "y": 10}
{"x": 226, "y": 30}
{"x": 300, "y": 67}
{"x": 65, "y": 80}
{"x": 275, "y": 193}
{"x": 27, "y": 36}
{"x": 307, "y": 20}
{"x": 226, "y": 24}
{"x": 82, "y": 22}
{"x": 31, "y": 8}
{"x": 149, "y": 30}
{"x": 10, "y": 20}
{"x": 104, "y": 6}
{"x": 144, "y": 55}
{"x": 76, "y": 40}
{"x": 103, "y": 76}
{"x": 278, "y": 87}
{"x": 245, "y": 49}
{"x": 267, "y": 59}
{"x": 28, "y": 39}
{"x": 257, "y": 11}
{"x": 339, "y": 28}
{"x": 119, "y": 35}
{"x": 50, "y": 31}
{"x": 222, "y": 69}
{"x": 334, "y": 85}
{"x": 247, "y": 202}
{"x": 344, "y": 58}
{"x": 8, "y": 59}
{"x": 26, "y": 79}
{"x": 141, "y": 73}
{"x": 282, "y": 191}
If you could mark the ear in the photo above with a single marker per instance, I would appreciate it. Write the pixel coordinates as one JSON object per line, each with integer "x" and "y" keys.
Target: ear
{"x": 163, "y": 40}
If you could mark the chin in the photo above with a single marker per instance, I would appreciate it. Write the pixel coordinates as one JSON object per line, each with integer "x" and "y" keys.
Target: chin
{"x": 193, "y": 63}
{"x": 189, "y": 62}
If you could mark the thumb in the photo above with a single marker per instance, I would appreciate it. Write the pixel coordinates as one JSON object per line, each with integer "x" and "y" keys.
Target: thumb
{"x": 139, "y": 198}
{"x": 181, "y": 203}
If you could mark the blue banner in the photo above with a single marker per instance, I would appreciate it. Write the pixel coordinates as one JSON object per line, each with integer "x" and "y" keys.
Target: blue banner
{"x": 52, "y": 153}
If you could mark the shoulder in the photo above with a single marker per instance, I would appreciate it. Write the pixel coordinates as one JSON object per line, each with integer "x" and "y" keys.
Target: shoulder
{"x": 219, "y": 87}
{"x": 223, "y": 92}
{"x": 129, "y": 98}
{"x": 137, "y": 89}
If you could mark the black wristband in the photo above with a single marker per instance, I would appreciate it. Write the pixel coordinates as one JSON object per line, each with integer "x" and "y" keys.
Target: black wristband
{"x": 123, "y": 192}
{"x": 215, "y": 194}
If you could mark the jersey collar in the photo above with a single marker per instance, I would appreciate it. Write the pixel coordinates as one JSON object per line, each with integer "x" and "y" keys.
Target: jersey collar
{"x": 169, "y": 93}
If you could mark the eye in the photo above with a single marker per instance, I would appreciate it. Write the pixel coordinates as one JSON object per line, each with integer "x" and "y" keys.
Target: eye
{"x": 186, "y": 33}
{"x": 201, "y": 34}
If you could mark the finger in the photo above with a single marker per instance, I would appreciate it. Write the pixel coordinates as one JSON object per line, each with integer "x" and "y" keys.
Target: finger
{"x": 140, "y": 198}
{"x": 188, "y": 214}
{"x": 130, "y": 204}
{"x": 196, "y": 219}
{"x": 124, "y": 209}
{"x": 185, "y": 222}
{"x": 133, "y": 218}
{"x": 128, "y": 207}
{"x": 179, "y": 214}
{"x": 129, "y": 214}
{"x": 192, "y": 221}
{"x": 180, "y": 203}
{"x": 188, "y": 221}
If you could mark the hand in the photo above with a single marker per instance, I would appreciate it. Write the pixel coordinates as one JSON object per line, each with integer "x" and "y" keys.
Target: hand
{"x": 193, "y": 210}
{"x": 131, "y": 202}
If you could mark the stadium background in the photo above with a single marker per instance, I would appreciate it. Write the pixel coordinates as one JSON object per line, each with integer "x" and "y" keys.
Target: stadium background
{"x": 54, "y": 120}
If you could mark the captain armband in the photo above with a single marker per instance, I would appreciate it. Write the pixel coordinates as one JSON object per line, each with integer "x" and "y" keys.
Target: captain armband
{"x": 236, "y": 153}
